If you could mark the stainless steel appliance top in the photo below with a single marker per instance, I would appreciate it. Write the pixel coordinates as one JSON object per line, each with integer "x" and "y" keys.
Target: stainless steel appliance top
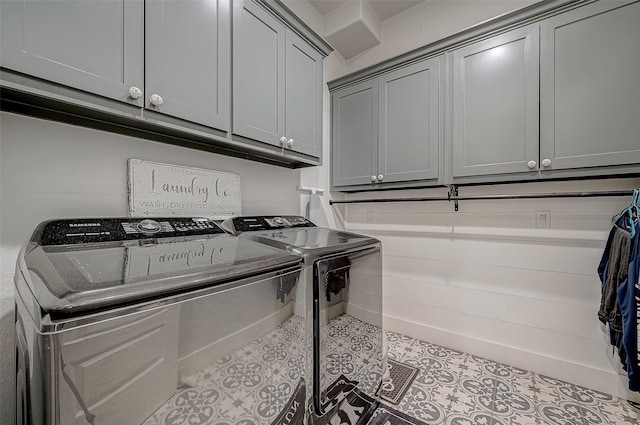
{"x": 296, "y": 235}
{"x": 77, "y": 265}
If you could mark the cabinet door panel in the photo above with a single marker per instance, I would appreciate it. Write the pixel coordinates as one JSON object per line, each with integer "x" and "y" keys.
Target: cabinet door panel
{"x": 187, "y": 59}
{"x": 590, "y": 98}
{"x": 409, "y": 122}
{"x": 355, "y": 134}
{"x": 258, "y": 74}
{"x": 303, "y": 98}
{"x": 95, "y": 46}
{"x": 495, "y": 104}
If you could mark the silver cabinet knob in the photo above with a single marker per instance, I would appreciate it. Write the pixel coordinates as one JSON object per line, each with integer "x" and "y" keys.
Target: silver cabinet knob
{"x": 546, "y": 162}
{"x": 283, "y": 141}
{"x": 380, "y": 177}
{"x": 374, "y": 178}
{"x": 135, "y": 92}
{"x": 156, "y": 100}
{"x": 532, "y": 164}
{"x": 290, "y": 143}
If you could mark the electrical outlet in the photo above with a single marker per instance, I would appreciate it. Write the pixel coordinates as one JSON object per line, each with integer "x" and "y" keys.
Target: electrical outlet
{"x": 543, "y": 219}
{"x": 370, "y": 218}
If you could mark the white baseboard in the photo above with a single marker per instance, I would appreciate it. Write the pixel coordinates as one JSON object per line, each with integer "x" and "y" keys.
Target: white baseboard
{"x": 605, "y": 381}
{"x": 335, "y": 310}
{"x": 363, "y": 314}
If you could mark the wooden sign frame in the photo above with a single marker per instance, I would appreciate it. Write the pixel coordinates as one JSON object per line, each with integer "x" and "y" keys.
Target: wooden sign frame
{"x": 165, "y": 190}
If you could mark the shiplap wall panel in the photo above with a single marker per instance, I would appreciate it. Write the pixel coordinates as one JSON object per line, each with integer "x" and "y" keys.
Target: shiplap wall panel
{"x": 485, "y": 280}
{"x": 534, "y": 256}
{"x": 569, "y": 220}
{"x": 560, "y": 317}
{"x": 592, "y": 352}
{"x": 537, "y": 284}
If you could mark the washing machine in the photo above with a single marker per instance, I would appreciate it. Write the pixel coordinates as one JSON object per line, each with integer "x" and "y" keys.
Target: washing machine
{"x": 342, "y": 281}
{"x": 130, "y": 321}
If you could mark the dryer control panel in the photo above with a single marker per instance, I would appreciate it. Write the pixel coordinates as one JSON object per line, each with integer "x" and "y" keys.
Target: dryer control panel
{"x": 89, "y": 230}
{"x": 237, "y": 225}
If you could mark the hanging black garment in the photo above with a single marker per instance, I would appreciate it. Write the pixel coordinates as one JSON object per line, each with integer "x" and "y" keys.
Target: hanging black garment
{"x": 616, "y": 273}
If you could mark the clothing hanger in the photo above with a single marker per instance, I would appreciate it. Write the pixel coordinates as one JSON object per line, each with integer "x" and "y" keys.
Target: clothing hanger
{"x": 636, "y": 204}
{"x": 630, "y": 210}
{"x": 625, "y": 210}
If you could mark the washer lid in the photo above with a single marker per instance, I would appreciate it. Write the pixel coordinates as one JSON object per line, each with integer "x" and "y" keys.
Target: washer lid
{"x": 82, "y": 276}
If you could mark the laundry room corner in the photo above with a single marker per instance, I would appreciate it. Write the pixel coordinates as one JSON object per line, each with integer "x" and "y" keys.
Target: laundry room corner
{"x": 320, "y": 177}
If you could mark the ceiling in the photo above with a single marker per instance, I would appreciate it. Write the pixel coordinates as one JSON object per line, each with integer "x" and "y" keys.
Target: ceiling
{"x": 353, "y": 26}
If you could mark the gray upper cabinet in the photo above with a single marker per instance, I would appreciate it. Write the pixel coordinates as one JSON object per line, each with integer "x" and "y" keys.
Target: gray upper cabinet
{"x": 128, "y": 50}
{"x": 277, "y": 82}
{"x": 409, "y": 123}
{"x": 163, "y": 69}
{"x": 354, "y": 122}
{"x": 187, "y": 60}
{"x": 258, "y": 73}
{"x": 94, "y": 46}
{"x": 495, "y": 105}
{"x": 386, "y": 130}
{"x": 590, "y": 95}
{"x": 303, "y": 96}
{"x": 547, "y": 92}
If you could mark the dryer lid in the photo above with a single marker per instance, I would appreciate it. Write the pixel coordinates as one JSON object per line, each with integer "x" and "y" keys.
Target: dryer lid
{"x": 310, "y": 239}
{"x": 295, "y": 234}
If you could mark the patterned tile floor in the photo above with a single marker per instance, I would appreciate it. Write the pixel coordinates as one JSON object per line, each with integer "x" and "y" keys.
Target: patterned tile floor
{"x": 455, "y": 388}
{"x": 252, "y": 385}
{"x": 248, "y": 387}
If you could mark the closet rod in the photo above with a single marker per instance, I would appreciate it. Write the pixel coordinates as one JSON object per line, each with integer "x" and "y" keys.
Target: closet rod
{"x": 454, "y": 198}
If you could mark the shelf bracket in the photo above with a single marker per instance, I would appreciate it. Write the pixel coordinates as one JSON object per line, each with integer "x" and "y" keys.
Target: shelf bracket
{"x": 453, "y": 191}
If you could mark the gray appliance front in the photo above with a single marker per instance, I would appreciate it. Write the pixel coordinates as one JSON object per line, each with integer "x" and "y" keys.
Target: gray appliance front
{"x": 344, "y": 272}
{"x": 348, "y": 338}
{"x": 148, "y": 332}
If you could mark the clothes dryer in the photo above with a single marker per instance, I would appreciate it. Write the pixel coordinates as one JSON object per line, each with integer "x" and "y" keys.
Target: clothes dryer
{"x": 342, "y": 282}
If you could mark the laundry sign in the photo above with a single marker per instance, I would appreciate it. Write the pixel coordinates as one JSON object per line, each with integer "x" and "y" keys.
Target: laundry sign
{"x": 157, "y": 189}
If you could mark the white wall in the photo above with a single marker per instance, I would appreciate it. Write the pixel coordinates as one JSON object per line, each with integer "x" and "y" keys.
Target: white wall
{"x": 428, "y": 22}
{"x": 485, "y": 280}
{"x": 50, "y": 170}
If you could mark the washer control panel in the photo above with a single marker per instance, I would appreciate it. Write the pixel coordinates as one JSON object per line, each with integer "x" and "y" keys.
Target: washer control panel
{"x": 88, "y": 230}
{"x": 237, "y": 225}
